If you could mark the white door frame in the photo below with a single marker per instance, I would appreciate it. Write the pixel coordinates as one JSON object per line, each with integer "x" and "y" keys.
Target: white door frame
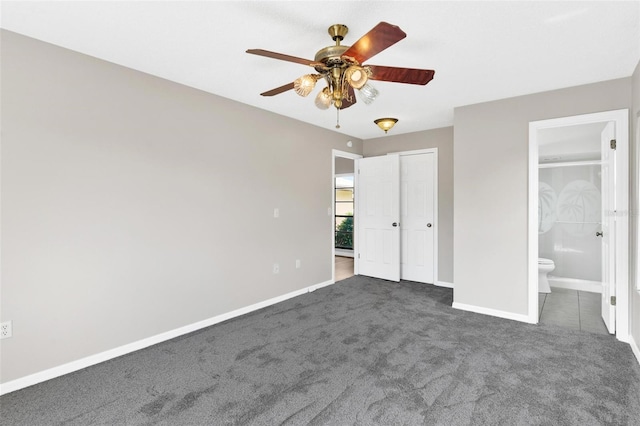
{"x": 621, "y": 119}
{"x": 335, "y": 176}
{"x": 436, "y": 225}
{"x": 337, "y": 153}
{"x": 635, "y": 209}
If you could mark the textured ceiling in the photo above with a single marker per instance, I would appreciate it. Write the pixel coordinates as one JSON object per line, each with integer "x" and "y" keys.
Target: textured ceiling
{"x": 481, "y": 51}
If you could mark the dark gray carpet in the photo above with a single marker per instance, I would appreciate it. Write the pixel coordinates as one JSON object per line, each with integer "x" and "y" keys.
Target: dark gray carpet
{"x": 363, "y": 352}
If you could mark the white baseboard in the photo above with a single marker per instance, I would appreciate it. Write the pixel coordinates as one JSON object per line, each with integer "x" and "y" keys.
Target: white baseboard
{"x": 317, "y": 286}
{"x": 444, "y": 284}
{"x": 344, "y": 253}
{"x": 575, "y": 284}
{"x": 492, "y": 312}
{"x": 634, "y": 347}
{"x": 70, "y": 367}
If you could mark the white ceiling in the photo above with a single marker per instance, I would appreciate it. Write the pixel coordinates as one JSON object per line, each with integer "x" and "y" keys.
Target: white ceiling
{"x": 481, "y": 51}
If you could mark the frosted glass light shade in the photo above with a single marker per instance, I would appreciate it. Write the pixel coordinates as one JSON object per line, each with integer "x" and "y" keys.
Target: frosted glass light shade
{"x": 386, "y": 123}
{"x": 368, "y": 93}
{"x": 356, "y": 76}
{"x": 304, "y": 85}
{"x": 323, "y": 100}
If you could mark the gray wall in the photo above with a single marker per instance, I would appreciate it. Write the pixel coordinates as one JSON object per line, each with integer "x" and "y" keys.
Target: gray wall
{"x": 132, "y": 205}
{"x": 490, "y": 188}
{"x": 634, "y": 205}
{"x": 443, "y": 140}
{"x": 344, "y": 166}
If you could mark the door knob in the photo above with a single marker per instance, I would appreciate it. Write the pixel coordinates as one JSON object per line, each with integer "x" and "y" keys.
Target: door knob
{"x": 394, "y": 224}
{"x": 598, "y": 234}
{"x": 428, "y": 225}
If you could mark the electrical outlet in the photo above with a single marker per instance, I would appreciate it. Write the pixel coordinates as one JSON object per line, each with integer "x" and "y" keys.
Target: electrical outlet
{"x": 276, "y": 213}
{"x": 297, "y": 263}
{"x": 276, "y": 268}
{"x": 6, "y": 330}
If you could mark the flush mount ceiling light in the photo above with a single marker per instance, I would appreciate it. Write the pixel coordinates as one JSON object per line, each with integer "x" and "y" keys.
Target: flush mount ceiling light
{"x": 386, "y": 123}
{"x": 343, "y": 70}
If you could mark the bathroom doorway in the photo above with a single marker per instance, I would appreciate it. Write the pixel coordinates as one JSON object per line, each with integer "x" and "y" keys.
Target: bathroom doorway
{"x": 578, "y": 220}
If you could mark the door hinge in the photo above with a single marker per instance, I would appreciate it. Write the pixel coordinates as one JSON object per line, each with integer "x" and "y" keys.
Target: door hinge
{"x": 613, "y": 144}
{"x": 358, "y": 255}
{"x": 613, "y": 301}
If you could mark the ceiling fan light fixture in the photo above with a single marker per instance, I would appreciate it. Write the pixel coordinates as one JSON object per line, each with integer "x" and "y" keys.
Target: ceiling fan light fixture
{"x": 386, "y": 123}
{"x": 368, "y": 93}
{"x": 323, "y": 100}
{"x": 305, "y": 84}
{"x": 345, "y": 71}
{"x": 356, "y": 76}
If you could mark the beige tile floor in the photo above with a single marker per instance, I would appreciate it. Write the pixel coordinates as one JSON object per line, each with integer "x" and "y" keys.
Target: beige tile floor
{"x": 578, "y": 310}
{"x": 344, "y": 267}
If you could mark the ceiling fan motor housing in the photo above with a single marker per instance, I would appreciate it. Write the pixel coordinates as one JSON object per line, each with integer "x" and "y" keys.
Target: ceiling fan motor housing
{"x": 331, "y": 56}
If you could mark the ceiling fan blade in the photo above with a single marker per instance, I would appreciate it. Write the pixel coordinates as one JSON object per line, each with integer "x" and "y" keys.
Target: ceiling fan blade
{"x": 401, "y": 75}
{"x": 375, "y": 41}
{"x": 283, "y": 57}
{"x": 278, "y": 90}
{"x": 346, "y": 103}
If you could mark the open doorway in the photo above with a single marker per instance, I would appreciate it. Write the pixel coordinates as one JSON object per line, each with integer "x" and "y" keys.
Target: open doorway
{"x": 578, "y": 221}
{"x": 570, "y": 226}
{"x": 343, "y": 211}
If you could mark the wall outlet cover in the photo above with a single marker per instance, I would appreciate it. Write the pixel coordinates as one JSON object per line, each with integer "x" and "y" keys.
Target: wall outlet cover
{"x": 6, "y": 330}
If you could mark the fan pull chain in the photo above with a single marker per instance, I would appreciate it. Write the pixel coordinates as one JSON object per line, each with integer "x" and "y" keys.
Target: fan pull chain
{"x": 337, "y": 118}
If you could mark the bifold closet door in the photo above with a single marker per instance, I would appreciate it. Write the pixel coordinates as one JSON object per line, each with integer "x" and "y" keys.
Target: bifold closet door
{"x": 417, "y": 201}
{"x": 378, "y": 216}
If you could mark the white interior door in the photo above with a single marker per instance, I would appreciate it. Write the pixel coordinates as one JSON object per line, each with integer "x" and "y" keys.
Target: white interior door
{"x": 417, "y": 217}
{"x": 378, "y": 218}
{"x": 607, "y": 232}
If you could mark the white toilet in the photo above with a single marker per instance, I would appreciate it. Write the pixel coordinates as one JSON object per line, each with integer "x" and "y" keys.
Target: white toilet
{"x": 544, "y": 267}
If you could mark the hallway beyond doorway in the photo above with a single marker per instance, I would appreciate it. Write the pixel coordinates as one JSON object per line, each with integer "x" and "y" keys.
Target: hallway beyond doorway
{"x": 344, "y": 267}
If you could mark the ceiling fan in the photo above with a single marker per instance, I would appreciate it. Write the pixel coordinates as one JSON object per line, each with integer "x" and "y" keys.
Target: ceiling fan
{"x": 343, "y": 69}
